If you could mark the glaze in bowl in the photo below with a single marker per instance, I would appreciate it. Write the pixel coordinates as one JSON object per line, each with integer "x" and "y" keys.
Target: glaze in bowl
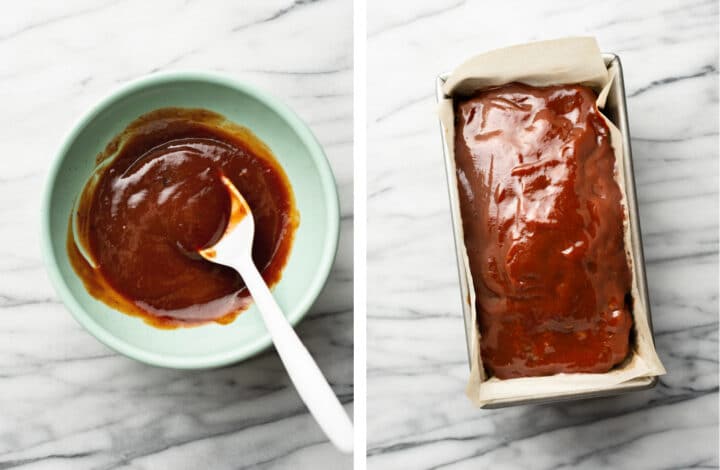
{"x": 297, "y": 151}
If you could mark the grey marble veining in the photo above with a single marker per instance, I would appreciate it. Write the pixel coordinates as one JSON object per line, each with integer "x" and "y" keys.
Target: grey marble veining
{"x": 418, "y": 416}
{"x": 68, "y": 402}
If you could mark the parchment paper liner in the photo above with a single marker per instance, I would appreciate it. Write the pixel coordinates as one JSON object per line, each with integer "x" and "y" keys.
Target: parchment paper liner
{"x": 562, "y": 61}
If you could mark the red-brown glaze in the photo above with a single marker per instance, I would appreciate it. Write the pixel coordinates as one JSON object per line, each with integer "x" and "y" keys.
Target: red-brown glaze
{"x": 161, "y": 199}
{"x": 543, "y": 227}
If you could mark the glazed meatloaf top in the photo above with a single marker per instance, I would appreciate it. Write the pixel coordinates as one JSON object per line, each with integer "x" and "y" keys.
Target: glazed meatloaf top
{"x": 543, "y": 227}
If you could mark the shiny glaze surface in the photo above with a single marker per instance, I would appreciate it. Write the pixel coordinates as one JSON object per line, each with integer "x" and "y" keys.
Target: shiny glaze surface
{"x": 160, "y": 199}
{"x": 543, "y": 228}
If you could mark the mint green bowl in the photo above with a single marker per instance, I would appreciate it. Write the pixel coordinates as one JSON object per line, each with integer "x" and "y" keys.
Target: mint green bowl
{"x": 296, "y": 149}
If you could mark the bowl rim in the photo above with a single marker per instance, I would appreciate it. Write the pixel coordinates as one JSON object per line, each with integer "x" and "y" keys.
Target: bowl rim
{"x": 261, "y": 342}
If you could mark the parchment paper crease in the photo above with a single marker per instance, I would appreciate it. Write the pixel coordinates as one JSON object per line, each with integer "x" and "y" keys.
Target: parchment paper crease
{"x": 562, "y": 61}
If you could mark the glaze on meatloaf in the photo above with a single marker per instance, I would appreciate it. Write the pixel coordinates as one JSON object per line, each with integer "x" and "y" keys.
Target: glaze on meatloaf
{"x": 543, "y": 227}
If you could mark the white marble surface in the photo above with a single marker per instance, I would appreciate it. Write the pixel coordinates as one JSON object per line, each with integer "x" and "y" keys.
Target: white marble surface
{"x": 68, "y": 402}
{"x": 418, "y": 416}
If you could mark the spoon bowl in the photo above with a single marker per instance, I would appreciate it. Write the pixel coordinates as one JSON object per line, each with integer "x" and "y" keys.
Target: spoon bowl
{"x": 236, "y": 242}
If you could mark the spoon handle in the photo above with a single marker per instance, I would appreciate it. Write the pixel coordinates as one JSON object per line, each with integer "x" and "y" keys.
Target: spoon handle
{"x": 309, "y": 381}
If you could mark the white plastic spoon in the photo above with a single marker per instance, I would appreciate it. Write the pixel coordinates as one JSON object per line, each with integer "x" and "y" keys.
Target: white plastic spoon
{"x": 235, "y": 250}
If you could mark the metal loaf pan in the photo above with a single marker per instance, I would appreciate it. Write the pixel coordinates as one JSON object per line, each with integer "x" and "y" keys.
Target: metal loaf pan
{"x": 616, "y": 111}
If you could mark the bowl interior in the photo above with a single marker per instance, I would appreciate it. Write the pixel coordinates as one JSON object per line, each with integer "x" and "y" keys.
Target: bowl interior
{"x": 312, "y": 253}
